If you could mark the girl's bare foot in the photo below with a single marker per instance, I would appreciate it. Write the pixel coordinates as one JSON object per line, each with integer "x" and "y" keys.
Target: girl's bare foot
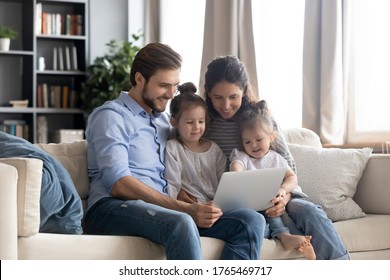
{"x": 291, "y": 241}
{"x": 307, "y": 250}
{"x": 299, "y": 242}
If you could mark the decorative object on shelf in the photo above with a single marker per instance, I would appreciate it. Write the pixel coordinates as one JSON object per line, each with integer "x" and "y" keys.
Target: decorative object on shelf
{"x": 19, "y": 103}
{"x": 42, "y": 129}
{"x": 41, "y": 64}
{"x": 6, "y": 35}
{"x": 109, "y": 74}
{"x": 68, "y": 135}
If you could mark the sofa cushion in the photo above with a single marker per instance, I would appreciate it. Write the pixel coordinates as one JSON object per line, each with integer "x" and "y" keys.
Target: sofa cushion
{"x": 367, "y": 234}
{"x": 302, "y": 136}
{"x": 329, "y": 177}
{"x": 73, "y": 157}
{"x": 28, "y": 193}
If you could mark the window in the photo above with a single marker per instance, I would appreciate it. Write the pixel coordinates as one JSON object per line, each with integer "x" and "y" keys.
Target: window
{"x": 182, "y": 28}
{"x": 369, "y": 94}
{"x": 278, "y": 32}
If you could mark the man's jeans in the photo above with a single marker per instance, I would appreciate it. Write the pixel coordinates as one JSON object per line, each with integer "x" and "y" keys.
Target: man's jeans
{"x": 242, "y": 230}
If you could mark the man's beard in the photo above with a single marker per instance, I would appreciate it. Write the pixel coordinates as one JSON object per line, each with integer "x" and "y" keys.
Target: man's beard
{"x": 152, "y": 103}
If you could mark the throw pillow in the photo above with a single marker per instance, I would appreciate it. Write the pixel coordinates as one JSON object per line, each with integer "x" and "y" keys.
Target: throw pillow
{"x": 329, "y": 177}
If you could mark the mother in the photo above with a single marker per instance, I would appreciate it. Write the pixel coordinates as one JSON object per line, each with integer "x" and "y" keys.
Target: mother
{"x": 227, "y": 93}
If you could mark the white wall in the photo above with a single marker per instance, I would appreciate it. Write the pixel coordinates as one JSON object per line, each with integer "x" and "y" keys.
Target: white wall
{"x": 107, "y": 20}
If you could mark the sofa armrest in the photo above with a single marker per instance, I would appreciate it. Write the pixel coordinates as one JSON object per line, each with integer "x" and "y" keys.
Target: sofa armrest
{"x": 373, "y": 189}
{"x": 8, "y": 212}
{"x": 28, "y": 193}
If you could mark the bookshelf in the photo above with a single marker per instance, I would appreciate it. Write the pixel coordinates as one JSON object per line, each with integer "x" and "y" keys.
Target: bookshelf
{"x": 45, "y": 66}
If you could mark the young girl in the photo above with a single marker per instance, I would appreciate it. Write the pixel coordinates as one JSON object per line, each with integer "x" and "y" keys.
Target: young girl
{"x": 192, "y": 163}
{"x": 257, "y": 136}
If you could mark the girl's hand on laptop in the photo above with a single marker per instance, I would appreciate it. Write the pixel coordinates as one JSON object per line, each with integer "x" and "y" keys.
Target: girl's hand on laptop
{"x": 279, "y": 206}
{"x": 281, "y": 193}
{"x": 186, "y": 197}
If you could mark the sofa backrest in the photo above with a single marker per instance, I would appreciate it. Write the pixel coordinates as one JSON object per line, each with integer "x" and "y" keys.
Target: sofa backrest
{"x": 302, "y": 136}
{"x": 73, "y": 156}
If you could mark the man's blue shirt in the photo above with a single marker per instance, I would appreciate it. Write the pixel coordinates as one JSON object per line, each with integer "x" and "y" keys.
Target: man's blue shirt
{"x": 123, "y": 140}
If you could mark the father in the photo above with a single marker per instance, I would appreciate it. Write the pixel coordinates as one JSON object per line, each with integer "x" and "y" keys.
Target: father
{"x": 126, "y": 145}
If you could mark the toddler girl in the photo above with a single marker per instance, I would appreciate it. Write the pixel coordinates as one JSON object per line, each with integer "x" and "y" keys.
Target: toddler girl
{"x": 257, "y": 135}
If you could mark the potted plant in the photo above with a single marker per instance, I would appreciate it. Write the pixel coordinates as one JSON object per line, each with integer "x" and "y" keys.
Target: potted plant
{"x": 6, "y": 35}
{"x": 109, "y": 74}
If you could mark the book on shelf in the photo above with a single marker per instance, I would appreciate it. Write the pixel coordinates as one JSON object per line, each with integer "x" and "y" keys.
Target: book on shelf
{"x": 42, "y": 20}
{"x": 17, "y": 128}
{"x": 68, "y": 24}
{"x": 74, "y": 58}
{"x": 56, "y": 96}
{"x": 60, "y": 59}
{"x": 73, "y": 99}
{"x": 77, "y": 24}
{"x": 40, "y": 103}
{"x": 38, "y": 16}
{"x": 19, "y": 103}
{"x": 57, "y": 23}
{"x": 48, "y": 24}
{"x": 45, "y": 93}
{"x": 67, "y": 58}
{"x": 65, "y": 97}
{"x": 55, "y": 58}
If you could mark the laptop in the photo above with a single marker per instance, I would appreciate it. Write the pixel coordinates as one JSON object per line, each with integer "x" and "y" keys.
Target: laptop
{"x": 253, "y": 189}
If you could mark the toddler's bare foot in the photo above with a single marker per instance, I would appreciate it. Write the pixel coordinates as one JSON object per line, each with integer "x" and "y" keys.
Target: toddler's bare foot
{"x": 307, "y": 250}
{"x": 291, "y": 241}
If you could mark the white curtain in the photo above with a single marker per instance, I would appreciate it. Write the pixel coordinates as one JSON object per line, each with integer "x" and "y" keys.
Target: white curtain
{"x": 325, "y": 69}
{"x": 228, "y": 31}
{"x": 152, "y": 21}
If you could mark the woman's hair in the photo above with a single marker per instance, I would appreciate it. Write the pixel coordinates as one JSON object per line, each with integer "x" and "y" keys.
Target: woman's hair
{"x": 153, "y": 57}
{"x": 186, "y": 99}
{"x": 228, "y": 69}
{"x": 256, "y": 116}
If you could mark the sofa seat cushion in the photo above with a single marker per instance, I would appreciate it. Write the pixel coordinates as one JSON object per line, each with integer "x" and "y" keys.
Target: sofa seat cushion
{"x": 360, "y": 236}
{"x": 47, "y": 246}
{"x": 365, "y": 234}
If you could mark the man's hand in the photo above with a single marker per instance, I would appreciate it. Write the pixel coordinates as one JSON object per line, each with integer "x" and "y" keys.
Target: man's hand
{"x": 205, "y": 215}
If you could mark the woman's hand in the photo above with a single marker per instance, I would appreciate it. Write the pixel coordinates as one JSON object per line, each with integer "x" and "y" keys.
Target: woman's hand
{"x": 279, "y": 206}
{"x": 281, "y": 193}
{"x": 186, "y": 197}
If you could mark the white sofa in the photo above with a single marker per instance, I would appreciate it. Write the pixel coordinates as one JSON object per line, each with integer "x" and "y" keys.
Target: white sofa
{"x": 365, "y": 238}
